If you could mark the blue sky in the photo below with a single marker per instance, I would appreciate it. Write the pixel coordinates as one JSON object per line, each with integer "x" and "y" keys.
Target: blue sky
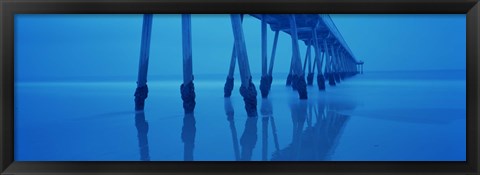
{"x": 63, "y": 46}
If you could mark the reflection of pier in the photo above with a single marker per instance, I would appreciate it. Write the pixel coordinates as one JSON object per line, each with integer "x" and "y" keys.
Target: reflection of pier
{"x": 248, "y": 139}
{"x": 317, "y": 127}
{"x": 317, "y": 141}
{"x": 142, "y": 130}
{"x": 188, "y": 135}
{"x": 333, "y": 59}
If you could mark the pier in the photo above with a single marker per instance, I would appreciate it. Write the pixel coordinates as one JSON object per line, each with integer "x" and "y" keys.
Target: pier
{"x": 332, "y": 59}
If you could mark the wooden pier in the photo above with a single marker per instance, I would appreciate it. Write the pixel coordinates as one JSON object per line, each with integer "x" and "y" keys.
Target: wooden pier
{"x": 332, "y": 58}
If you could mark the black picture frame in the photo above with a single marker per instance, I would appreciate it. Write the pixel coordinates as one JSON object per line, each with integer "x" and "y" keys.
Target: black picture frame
{"x": 9, "y": 8}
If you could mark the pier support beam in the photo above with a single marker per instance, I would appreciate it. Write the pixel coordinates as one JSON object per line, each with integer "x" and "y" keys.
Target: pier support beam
{"x": 299, "y": 80}
{"x": 361, "y": 67}
{"x": 331, "y": 72}
{"x": 353, "y": 67}
{"x": 357, "y": 69}
{"x": 247, "y": 89}
{"x": 228, "y": 88}
{"x": 187, "y": 89}
{"x": 274, "y": 50}
{"x": 266, "y": 80}
{"x": 343, "y": 72}
{"x": 340, "y": 64}
{"x": 272, "y": 58}
{"x": 141, "y": 93}
{"x": 230, "y": 118}
{"x": 336, "y": 65}
{"x": 319, "y": 60}
{"x": 309, "y": 60}
{"x": 290, "y": 74}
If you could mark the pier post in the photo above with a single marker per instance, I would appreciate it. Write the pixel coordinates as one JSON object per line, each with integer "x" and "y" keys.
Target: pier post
{"x": 331, "y": 78}
{"x": 305, "y": 60}
{"x": 227, "y": 89}
{"x": 353, "y": 67}
{"x": 340, "y": 64}
{"x": 266, "y": 80}
{"x": 299, "y": 80}
{"x": 187, "y": 89}
{"x": 350, "y": 69}
{"x": 274, "y": 50}
{"x": 319, "y": 59}
{"x": 229, "y": 83}
{"x": 357, "y": 68}
{"x": 361, "y": 68}
{"x": 343, "y": 74}
{"x": 290, "y": 74}
{"x": 347, "y": 64}
{"x": 314, "y": 65}
{"x": 326, "y": 68}
{"x": 141, "y": 93}
{"x": 336, "y": 64}
{"x": 247, "y": 89}
{"x": 309, "y": 60}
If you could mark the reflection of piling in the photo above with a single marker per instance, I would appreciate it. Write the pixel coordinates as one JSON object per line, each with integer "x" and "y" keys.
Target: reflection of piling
{"x": 267, "y": 112}
{"x": 299, "y": 116}
{"x": 317, "y": 140}
{"x": 233, "y": 130}
{"x": 142, "y": 130}
{"x": 231, "y": 120}
{"x": 274, "y": 133}
{"x": 267, "y": 116}
{"x": 265, "y": 138}
{"x": 249, "y": 138}
{"x": 188, "y": 136}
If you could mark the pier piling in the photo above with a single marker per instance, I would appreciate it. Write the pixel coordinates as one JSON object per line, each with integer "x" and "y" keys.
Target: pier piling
{"x": 141, "y": 93}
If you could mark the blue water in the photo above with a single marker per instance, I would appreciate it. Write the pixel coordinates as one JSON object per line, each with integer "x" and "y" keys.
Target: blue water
{"x": 374, "y": 116}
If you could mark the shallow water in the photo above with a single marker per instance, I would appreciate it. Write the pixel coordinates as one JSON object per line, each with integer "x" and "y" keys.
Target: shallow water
{"x": 374, "y": 116}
